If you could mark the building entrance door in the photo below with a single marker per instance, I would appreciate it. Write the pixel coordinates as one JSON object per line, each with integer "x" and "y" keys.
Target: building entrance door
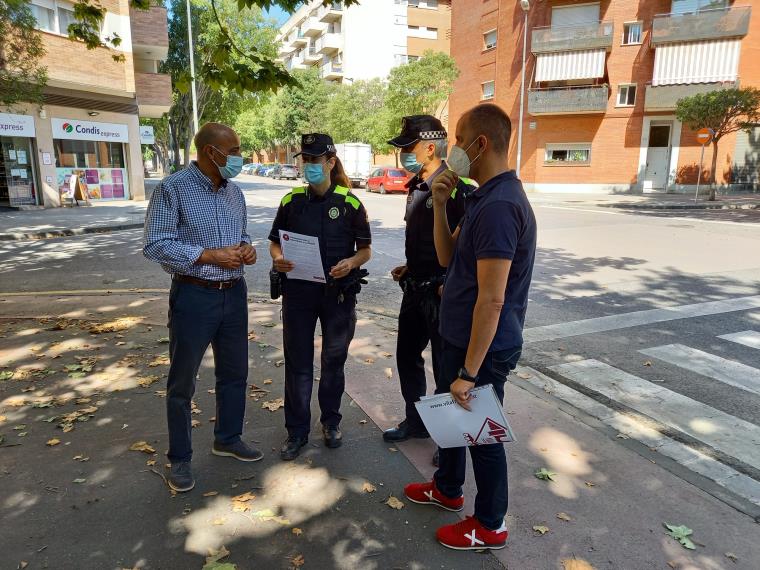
{"x": 16, "y": 172}
{"x": 658, "y": 158}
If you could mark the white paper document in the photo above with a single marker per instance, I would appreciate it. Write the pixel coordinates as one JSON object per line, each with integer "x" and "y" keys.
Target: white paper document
{"x": 303, "y": 251}
{"x": 450, "y": 425}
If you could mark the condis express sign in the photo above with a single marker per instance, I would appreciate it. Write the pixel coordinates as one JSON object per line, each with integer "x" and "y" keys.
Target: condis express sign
{"x": 89, "y": 130}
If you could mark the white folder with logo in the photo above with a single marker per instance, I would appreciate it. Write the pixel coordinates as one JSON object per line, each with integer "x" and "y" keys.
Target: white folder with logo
{"x": 450, "y": 425}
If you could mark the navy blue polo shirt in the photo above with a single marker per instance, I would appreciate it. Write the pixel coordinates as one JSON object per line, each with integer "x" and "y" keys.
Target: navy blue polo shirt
{"x": 498, "y": 224}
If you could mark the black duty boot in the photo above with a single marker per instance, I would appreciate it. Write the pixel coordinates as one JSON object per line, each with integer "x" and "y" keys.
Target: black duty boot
{"x": 404, "y": 432}
{"x": 333, "y": 437}
{"x": 292, "y": 447}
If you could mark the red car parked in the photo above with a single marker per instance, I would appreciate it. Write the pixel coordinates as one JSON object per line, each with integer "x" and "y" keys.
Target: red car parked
{"x": 386, "y": 179}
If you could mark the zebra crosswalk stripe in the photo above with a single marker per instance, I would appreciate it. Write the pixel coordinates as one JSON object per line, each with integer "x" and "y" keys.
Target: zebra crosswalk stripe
{"x": 696, "y": 461}
{"x": 723, "y": 432}
{"x": 747, "y": 338}
{"x": 727, "y": 371}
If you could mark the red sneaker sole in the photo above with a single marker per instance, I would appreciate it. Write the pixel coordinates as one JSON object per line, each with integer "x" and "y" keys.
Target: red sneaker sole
{"x": 484, "y": 547}
{"x": 435, "y": 503}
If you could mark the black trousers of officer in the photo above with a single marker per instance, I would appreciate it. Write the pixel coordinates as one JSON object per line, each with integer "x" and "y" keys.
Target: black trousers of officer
{"x": 303, "y": 303}
{"x": 417, "y": 326}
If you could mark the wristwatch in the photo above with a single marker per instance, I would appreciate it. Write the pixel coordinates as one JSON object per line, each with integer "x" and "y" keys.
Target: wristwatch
{"x": 464, "y": 375}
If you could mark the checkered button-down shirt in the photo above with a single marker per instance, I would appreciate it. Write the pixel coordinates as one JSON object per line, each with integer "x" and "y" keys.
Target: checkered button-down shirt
{"x": 185, "y": 216}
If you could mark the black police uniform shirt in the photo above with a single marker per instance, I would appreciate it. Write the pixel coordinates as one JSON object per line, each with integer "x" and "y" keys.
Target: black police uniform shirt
{"x": 421, "y": 258}
{"x": 348, "y": 214}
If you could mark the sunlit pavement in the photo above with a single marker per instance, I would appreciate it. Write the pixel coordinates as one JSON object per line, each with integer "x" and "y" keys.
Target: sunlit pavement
{"x": 88, "y": 501}
{"x": 601, "y": 278}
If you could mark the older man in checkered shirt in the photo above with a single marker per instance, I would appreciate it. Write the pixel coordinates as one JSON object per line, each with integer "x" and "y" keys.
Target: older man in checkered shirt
{"x": 196, "y": 229}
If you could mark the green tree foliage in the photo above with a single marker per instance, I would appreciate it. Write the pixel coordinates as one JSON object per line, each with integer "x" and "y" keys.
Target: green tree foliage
{"x": 724, "y": 111}
{"x": 250, "y": 29}
{"x": 300, "y": 107}
{"x": 256, "y": 129}
{"x": 21, "y": 49}
{"x": 227, "y": 63}
{"x": 421, "y": 86}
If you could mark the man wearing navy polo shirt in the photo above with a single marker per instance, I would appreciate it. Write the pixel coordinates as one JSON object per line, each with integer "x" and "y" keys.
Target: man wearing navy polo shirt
{"x": 490, "y": 261}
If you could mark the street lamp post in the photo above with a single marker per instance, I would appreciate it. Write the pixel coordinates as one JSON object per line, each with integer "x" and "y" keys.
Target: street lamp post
{"x": 192, "y": 67}
{"x": 525, "y": 5}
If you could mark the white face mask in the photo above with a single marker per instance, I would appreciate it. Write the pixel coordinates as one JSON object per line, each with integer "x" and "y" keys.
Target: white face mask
{"x": 458, "y": 160}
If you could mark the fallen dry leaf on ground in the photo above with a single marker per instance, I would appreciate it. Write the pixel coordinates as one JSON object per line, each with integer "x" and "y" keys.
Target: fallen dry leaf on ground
{"x": 117, "y": 325}
{"x": 279, "y": 363}
{"x": 389, "y": 373}
{"x": 211, "y": 494}
{"x": 394, "y": 503}
{"x": 297, "y": 531}
{"x": 590, "y": 484}
{"x": 267, "y": 381}
{"x": 732, "y": 557}
{"x": 576, "y": 564}
{"x": 196, "y": 423}
{"x": 146, "y": 381}
{"x": 524, "y": 375}
{"x": 268, "y": 515}
{"x": 52, "y": 442}
{"x": 159, "y": 360}
{"x": 541, "y": 529}
{"x": 369, "y": 360}
{"x": 143, "y": 446}
{"x": 386, "y": 354}
{"x": 564, "y": 517}
{"x": 369, "y": 488}
{"x": 273, "y": 405}
{"x": 297, "y": 561}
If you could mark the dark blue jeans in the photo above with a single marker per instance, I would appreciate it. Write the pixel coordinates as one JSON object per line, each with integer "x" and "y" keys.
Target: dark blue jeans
{"x": 489, "y": 462}
{"x": 302, "y": 304}
{"x": 417, "y": 326}
{"x": 198, "y": 317}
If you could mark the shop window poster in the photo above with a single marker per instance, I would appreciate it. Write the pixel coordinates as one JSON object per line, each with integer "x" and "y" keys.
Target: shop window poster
{"x": 98, "y": 183}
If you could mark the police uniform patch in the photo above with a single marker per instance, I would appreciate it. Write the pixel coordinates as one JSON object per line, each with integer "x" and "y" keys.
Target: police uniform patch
{"x": 333, "y": 213}
{"x": 429, "y": 202}
{"x": 309, "y": 139}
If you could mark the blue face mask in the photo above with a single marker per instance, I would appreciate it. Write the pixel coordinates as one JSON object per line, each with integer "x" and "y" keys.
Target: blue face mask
{"x": 232, "y": 167}
{"x": 409, "y": 162}
{"x": 313, "y": 173}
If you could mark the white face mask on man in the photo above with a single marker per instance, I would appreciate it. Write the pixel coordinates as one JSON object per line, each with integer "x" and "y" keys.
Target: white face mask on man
{"x": 458, "y": 160}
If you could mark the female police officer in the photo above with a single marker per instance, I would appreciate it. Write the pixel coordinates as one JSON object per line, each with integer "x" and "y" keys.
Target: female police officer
{"x": 325, "y": 209}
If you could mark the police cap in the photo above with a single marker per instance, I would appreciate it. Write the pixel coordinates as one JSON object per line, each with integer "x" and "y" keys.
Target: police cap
{"x": 316, "y": 144}
{"x": 418, "y": 127}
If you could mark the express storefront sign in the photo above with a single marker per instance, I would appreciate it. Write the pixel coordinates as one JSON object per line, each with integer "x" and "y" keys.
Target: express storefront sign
{"x": 70, "y": 129}
{"x": 16, "y": 125}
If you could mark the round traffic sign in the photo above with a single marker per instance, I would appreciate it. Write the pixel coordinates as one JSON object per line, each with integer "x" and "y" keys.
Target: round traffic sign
{"x": 705, "y": 136}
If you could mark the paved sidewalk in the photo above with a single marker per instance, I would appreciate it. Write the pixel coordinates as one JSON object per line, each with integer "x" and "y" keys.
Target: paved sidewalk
{"x": 606, "y": 506}
{"x": 649, "y": 201}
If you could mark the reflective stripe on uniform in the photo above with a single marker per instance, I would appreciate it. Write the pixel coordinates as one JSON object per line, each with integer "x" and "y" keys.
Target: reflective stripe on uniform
{"x": 469, "y": 181}
{"x": 289, "y": 196}
{"x": 350, "y": 198}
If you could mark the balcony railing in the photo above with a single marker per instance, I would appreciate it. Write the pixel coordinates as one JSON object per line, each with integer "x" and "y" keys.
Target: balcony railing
{"x": 332, "y": 70}
{"x": 665, "y": 97}
{"x": 331, "y": 12}
{"x": 329, "y": 43}
{"x": 568, "y": 100}
{"x": 701, "y": 25}
{"x": 313, "y": 27}
{"x": 569, "y": 38}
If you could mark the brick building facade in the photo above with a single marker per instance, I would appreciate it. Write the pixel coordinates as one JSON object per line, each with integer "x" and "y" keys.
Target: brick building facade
{"x": 85, "y": 138}
{"x": 601, "y": 83}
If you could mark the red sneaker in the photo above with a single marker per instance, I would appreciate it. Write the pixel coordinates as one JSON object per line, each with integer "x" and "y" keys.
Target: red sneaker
{"x": 469, "y": 534}
{"x": 428, "y": 494}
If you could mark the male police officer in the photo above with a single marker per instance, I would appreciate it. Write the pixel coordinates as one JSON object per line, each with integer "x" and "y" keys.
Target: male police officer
{"x": 423, "y": 146}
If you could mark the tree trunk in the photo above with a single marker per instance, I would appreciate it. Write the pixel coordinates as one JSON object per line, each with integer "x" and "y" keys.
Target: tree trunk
{"x": 714, "y": 170}
{"x": 186, "y": 151}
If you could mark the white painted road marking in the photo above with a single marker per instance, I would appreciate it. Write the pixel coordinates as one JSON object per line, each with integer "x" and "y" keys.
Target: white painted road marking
{"x": 747, "y": 338}
{"x": 638, "y": 318}
{"x": 723, "y": 432}
{"x": 727, "y": 371}
{"x": 690, "y": 458}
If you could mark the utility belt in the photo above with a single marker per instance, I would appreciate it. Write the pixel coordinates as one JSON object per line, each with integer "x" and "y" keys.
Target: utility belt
{"x": 421, "y": 285}
{"x": 351, "y": 284}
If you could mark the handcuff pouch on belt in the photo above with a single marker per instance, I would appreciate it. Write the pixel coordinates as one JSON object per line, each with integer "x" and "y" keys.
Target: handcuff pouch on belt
{"x": 427, "y": 289}
{"x": 349, "y": 285}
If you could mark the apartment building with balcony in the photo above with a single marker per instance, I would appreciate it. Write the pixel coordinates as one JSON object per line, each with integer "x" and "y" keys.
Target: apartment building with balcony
{"x": 364, "y": 41}
{"x": 602, "y": 80}
{"x": 86, "y": 133}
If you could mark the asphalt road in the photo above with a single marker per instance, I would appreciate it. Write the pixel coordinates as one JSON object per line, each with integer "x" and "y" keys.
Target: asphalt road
{"x": 592, "y": 264}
